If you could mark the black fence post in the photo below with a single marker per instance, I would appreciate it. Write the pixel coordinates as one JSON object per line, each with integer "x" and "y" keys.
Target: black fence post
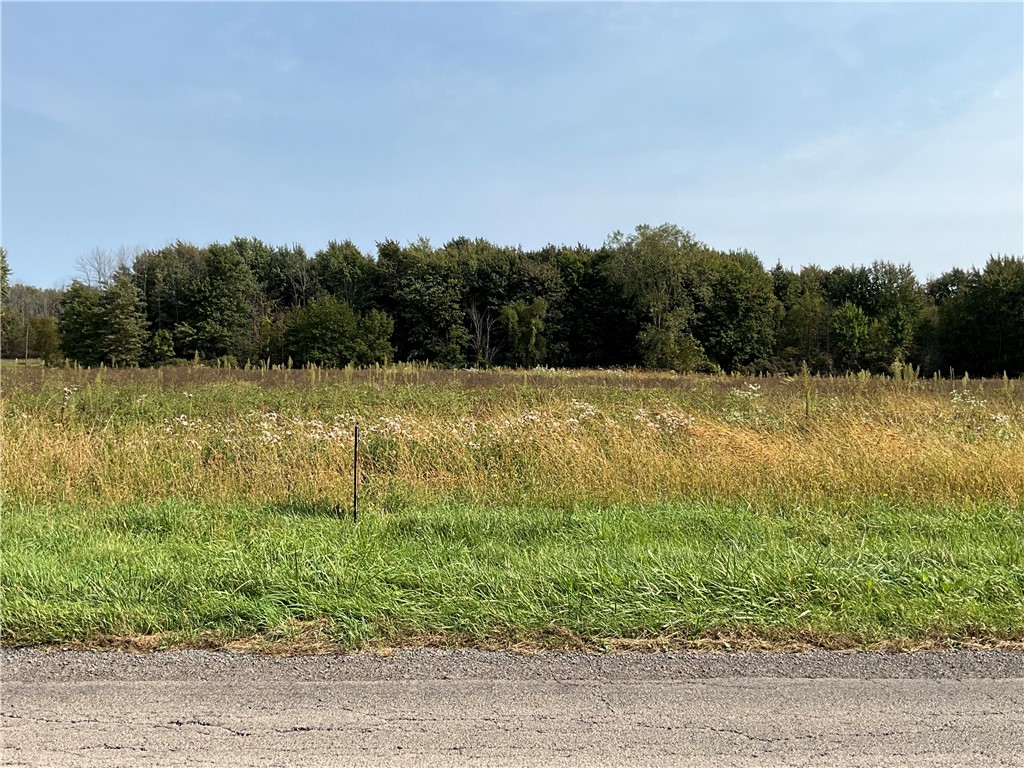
{"x": 355, "y": 475}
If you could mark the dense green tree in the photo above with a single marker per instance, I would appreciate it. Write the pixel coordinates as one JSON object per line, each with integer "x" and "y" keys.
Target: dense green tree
{"x": 655, "y": 297}
{"x": 164, "y": 277}
{"x": 851, "y": 330}
{"x": 259, "y": 258}
{"x": 346, "y": 273}
{"x": 662, "y": 271}
{"x": 783, "y": 281}
{"x": 999, "y": 306}
{"x": 524, "y": 324}
{"x": 222, "y": 292}
{"x": 588, "y": 322}
{"x": 670, "y": 345}
{"x": 282, "y": 275}
{"x": 5, "y": 275}
{"x": 494, "y": 278}
{"x": 849, "y": 284}
{"x": 736, "y": 317}
{"x": 7, "y": 318}
{"x": 123, "y": 313}
{"x": 272, "y": 292}
{"x": 13, "y": 341}
{"x": 980, "y": 318}
{"x": 324, "y": 332}
{"x": 289, "y": 280}
{"x": 481, "y": 273}
{"x": 897, "y": 303}
{"x": 658, "y": 269}
{"x": 892, "y": 301}
{"x": 951, "y": 342}
{"x": 373, "y": 345}
{"x": 422, "y": 290}
{"x": 206, "y": 297}
{"x": 103, "y": 325}
{"x": 948, "y": 286}
{"x": 804, "y": 327}
{"x": 160, "y": 348}
{"x": 694, "y": 301}
{"x": 80, "y": 323}
{"x": 45, "y": 339}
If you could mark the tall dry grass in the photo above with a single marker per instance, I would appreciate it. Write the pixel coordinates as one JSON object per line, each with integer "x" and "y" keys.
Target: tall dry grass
{"x": 498, "y": 438}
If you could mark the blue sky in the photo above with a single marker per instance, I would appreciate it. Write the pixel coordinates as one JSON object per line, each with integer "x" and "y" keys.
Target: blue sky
{"x": 807, "y": 133}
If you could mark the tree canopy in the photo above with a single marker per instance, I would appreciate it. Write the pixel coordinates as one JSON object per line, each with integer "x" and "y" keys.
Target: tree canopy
{"x": 655, "y": 297}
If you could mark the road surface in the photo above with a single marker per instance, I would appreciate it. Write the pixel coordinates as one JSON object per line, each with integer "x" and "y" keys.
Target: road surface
{"x": 431, "y": 708}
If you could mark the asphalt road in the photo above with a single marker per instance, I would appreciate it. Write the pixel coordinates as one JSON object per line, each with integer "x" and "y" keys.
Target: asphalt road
{"x": 428, "y": 708}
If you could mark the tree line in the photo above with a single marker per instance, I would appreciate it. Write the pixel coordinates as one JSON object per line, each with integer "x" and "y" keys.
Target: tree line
{"x": 656, "y": 297}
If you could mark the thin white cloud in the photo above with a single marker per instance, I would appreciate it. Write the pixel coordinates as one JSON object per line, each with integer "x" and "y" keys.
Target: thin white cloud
{"x": 55, "y": 103}
{"x": 946, "y": 194}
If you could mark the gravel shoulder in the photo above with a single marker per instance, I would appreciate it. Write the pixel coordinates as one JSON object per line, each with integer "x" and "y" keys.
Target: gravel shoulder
{"x": 36, "y": 665}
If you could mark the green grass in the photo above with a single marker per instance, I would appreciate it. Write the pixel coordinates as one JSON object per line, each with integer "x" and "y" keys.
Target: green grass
{"x": 504, "y": 508}
{"x": 875, "y": 573}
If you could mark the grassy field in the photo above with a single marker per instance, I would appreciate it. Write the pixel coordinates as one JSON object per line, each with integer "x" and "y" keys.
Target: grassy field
{"x": 572, "y": 509}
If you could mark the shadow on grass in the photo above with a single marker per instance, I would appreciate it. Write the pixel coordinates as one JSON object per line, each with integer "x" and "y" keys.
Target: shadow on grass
{"x": 310, "y": 508}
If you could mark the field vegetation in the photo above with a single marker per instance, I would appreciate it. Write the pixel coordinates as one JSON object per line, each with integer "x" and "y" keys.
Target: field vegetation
{"x": 570, "y": 508}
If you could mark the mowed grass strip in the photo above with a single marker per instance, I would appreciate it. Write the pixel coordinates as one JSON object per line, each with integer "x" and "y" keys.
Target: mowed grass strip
{"x": 842, "y": 576}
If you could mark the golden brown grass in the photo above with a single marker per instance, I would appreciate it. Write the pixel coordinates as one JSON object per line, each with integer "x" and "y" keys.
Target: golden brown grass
{"x": 505, "y": 437}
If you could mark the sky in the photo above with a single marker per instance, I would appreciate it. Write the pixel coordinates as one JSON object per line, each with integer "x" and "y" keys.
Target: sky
{"x": 829, "y": 134}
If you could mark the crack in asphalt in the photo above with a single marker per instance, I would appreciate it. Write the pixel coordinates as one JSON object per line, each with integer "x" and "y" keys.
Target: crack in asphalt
{"x": 207, "y": 724}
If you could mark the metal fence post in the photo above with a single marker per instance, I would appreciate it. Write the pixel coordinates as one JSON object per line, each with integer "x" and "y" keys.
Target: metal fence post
{"x": 355, "y": 475}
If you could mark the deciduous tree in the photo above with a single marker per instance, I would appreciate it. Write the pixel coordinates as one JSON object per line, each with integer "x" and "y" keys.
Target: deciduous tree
{"x": 324, "y": 332}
